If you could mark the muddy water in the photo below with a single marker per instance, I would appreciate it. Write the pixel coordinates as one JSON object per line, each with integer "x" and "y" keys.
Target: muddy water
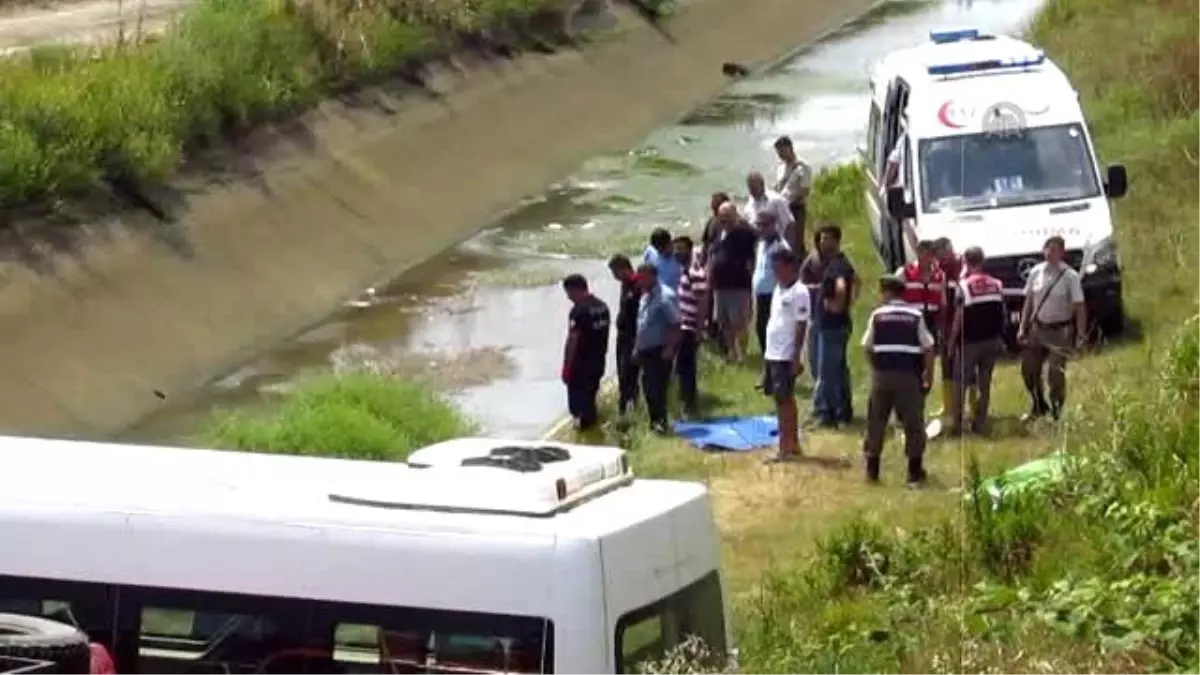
{"x": 485, "y": 320}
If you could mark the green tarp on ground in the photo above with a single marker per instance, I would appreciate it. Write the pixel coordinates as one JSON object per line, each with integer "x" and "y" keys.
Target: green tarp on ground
{"x": 1030, "y": 474}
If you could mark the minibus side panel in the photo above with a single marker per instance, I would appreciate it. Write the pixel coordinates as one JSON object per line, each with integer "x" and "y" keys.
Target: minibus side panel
{"x": 581, "y": 636}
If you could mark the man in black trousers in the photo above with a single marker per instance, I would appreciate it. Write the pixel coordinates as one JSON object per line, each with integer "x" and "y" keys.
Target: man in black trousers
{"x": 586, "y": 350}
{"x": 627, "y": 311}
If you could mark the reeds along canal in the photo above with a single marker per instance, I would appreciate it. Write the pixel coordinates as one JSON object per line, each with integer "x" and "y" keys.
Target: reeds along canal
{"x": 485, "y": 320}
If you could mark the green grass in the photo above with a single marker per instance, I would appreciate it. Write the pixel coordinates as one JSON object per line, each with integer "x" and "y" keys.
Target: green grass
{"x": 1099, "y": 572}
{"x": 70, "y": 117}
{"x": 356, "y": 416}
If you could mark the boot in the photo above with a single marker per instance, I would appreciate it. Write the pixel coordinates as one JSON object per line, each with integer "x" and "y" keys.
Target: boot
{"x": 872, "y": 469}
{"x": 916, "y": 471}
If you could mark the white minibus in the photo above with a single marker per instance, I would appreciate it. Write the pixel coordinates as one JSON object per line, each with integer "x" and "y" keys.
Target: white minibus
{"x": 477, "y": 555}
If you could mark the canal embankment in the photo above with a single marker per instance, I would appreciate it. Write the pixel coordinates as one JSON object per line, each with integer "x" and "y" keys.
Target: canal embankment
{"x": 110, "y": 314}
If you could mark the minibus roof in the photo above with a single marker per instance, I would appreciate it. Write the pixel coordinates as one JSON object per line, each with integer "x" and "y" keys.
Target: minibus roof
{"x": 321, "y": 528}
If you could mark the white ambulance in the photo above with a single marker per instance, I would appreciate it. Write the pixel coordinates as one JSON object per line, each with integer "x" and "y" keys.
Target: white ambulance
{"x": 992, "y": 150}
{"x": 478, "y": 555}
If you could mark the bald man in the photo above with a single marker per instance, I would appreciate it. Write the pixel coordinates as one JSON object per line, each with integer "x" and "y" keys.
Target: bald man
{"x": 762, "y": 200}
{"x": 730, "y": 274}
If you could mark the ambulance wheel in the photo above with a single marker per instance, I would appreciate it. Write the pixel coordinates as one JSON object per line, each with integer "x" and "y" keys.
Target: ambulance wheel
{"x": 38, "y": 639}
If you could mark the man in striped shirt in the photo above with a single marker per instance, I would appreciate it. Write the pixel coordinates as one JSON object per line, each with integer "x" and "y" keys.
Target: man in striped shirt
{"x": 693, "y": 302}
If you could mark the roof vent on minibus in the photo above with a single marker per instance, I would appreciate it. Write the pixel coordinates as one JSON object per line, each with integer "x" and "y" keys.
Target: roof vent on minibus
{"x": 525, "y": 479}
{"x": 525, "y": 459}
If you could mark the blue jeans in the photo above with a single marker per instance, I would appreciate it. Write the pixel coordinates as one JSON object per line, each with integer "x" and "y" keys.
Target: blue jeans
{"x": 832, "y": 399}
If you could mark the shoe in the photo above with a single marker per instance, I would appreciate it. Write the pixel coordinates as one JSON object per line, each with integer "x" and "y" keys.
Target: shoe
{"x": 916, "y": 473}
{"x": 1056, "y": 411}
{"x": 873, "y": 470}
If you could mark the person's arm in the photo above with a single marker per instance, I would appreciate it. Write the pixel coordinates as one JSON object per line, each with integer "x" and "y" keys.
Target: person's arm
{"x": 956, "y": 324}
{"x": 1026, "y": 310}
{"x": 569, "y": 349}
{"x": 1080, "y": 310}
{"x": 928, "y": 355}
{"x": 802, "y": 179}
{"x": 802, "y": 312}
{"x": 841, "y": 290}
{"x": 671, "y": 310}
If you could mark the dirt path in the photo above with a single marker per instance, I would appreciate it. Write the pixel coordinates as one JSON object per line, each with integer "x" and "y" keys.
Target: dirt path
{"x": 22, "y": 27}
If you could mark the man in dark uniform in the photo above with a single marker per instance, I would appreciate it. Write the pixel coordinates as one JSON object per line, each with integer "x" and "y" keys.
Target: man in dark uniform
{"x": 627, "y": 310}
{"x": 977, "y": 333}
{"x": 900, "y": 349}
{"x": 586, "y": 350}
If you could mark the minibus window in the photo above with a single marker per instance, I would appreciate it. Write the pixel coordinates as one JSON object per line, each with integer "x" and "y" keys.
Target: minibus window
{"x": 449, "y": 642}
{"x": 647, "y": 635}
{"x": 176, "y": 640}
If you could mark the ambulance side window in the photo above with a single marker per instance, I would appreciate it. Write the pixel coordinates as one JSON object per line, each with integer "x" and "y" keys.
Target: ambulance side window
{"x": 647, "y": 635}
{"x": 874, "y": 137}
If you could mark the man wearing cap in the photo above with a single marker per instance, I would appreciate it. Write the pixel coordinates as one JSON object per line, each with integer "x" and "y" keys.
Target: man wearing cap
{"x": 900, "y": 350}
{"x": 977, "y": 334}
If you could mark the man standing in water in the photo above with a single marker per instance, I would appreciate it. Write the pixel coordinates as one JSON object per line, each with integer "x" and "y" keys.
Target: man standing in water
{"x": 585, "y": 352}
{"x": 627, "y": 311}
{"x": 793, "y": 180}
{"x": 656, "y": 343}
{"x": 783, "y": 357}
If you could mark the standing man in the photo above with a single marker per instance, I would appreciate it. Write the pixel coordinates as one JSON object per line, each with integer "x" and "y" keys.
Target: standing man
{"x": 761, "y": 199}
{"x": 730, "y": 274}
{"x": 1053, "y": 302}
{"x": 899, "y": 348}
{"x": 586, "y": 350}
{"x": 832, "y": 400}
{"x": 793, "y": 180}
{"x": 660, "y": 254}
{"x": 711, "y": 227}
{"x": 769, "y": 241}
{"x": 952, "y": 267}
{"x": 782, "y": 356}
{"x": 693, "y": 293}
{"x": 925, "y": 290}
{"x": 977, "y": 333}
{"x": 656, "y": 343}
{"x": 627, "y": 312}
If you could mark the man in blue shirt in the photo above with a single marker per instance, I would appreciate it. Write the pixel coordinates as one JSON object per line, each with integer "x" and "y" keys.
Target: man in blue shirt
{"x": 661, "y": 255}
{"x": 656, "y": 342}
{"x": 769, "y": 241}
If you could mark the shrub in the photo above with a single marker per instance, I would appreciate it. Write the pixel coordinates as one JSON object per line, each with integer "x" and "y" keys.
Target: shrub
{"x": 359, "y": 416}
{"x": 70, "y": 117}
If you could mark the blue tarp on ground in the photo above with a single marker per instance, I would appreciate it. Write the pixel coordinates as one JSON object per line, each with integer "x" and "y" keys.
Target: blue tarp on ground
{"x": 731, "y": 434}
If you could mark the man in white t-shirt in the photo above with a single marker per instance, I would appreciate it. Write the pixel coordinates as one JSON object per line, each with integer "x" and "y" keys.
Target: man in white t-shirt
{"x": 783, "y": 359}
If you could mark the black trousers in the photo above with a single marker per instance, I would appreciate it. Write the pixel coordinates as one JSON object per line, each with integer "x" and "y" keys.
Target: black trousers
{"x": 762, "y": 314}
{"x": 656, "y": 377}
{"x": 798, "y": 232}
{"x": 627, "y": 374}
{"x": 685, "y": 369}
{"x": 581, "y": 398}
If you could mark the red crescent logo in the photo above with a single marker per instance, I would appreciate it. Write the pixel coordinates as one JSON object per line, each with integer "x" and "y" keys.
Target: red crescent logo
{"x": 943, "y": 115}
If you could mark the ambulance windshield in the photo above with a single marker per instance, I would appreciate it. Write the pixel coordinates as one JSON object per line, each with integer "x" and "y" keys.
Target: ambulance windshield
{"x": 994, "y": 170}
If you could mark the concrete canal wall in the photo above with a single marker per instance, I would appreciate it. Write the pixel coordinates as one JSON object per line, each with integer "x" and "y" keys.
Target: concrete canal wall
{"x": 101, "y": 322}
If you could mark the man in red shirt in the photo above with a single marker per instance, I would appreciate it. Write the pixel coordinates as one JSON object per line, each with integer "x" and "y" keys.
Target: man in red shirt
{"x": 925, "y": 289}
{"x": 952, "y": 267}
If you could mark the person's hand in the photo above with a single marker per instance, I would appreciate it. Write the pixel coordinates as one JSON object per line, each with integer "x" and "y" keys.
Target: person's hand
{"x": 926, "y": 383}
{"x": 1022, "y": 335}
{"x": 1081, "y": 339}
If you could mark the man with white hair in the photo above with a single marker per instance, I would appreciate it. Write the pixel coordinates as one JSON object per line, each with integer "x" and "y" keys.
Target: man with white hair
{"x": 763, "y": 199}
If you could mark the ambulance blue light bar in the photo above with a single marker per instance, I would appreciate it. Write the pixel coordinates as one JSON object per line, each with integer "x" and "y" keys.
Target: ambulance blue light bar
{"x": 984, "y": 66}
{"x": 945, "y": 37}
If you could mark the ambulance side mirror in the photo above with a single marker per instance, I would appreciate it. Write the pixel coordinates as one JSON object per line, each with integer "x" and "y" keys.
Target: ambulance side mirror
{"x": 897, "y": 207}
{"x": 1116, "y": 183}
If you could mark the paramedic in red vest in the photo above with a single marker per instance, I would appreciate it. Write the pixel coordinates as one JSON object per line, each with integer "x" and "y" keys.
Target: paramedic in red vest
{"x": 925, "y": 287}
{"x": 977, "y": 331}
{"x": 900, "y": 349}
